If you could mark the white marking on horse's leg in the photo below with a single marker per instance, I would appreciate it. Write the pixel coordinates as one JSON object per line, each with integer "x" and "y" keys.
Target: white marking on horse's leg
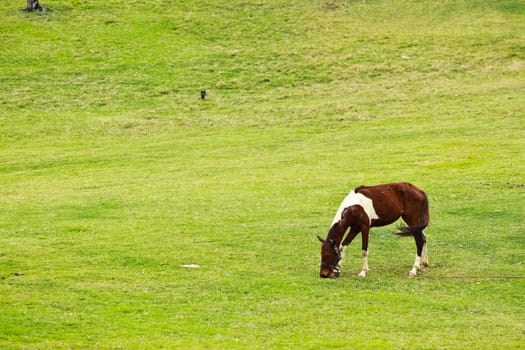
{"x": 416, "y": 267}
{"x": 365, "y": 260}
{"x": 365, "y": 264}
{"x": 342, "y": 253}
{"x": 425, "y": 256}
{"x": 342, "y": 250}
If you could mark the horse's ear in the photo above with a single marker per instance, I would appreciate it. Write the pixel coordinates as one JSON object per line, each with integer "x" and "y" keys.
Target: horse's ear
{"x": 320, "y": 239}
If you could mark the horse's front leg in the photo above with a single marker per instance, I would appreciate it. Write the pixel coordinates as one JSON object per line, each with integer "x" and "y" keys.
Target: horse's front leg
{"x": 344, "y": 244}
{"x": 364, "y": 247}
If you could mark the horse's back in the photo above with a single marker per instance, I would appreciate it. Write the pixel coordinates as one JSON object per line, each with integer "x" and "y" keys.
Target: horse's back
{"x": 402, "y": 190}
{"x": 394, "y": 199}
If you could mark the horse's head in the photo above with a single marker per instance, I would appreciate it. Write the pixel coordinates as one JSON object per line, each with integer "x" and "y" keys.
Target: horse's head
{"x": 330, "y": 257}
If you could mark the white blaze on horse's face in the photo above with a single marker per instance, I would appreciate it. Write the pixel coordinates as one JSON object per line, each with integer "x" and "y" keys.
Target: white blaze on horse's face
{"x": 356, "y": 199}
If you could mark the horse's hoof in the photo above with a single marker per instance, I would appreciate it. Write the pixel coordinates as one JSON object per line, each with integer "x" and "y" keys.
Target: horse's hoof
{"x": 362, "y": 274}
{"x": 412, "y": 274}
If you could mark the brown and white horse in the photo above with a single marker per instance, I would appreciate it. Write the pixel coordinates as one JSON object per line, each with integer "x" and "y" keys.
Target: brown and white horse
{"x": 372, "y": 206}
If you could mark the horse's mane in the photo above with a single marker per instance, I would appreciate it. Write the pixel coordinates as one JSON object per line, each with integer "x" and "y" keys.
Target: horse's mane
{"x": 331, "y": 232}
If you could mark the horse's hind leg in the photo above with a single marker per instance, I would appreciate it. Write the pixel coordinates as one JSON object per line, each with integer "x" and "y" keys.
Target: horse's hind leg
{"x": 424, "y": 256}
{"x": 420, "y": 244}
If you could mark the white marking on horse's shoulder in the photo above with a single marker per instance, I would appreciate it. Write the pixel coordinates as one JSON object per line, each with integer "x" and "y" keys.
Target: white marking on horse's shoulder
{"x": 360, "y": 199}
{"x": 368, "y": 206}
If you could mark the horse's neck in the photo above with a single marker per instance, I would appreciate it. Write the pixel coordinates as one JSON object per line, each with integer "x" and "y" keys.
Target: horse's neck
{"x": 336, "y": 233}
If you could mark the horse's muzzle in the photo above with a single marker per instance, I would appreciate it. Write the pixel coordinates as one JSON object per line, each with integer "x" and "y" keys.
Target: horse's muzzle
{"x": 333, "y": 274}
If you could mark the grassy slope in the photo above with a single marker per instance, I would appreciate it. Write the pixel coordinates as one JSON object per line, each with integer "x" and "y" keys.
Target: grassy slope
{"x": 114, "y": 173}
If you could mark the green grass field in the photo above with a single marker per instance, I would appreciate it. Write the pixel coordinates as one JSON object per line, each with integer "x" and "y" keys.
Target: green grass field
{"x": 114, "y": 173}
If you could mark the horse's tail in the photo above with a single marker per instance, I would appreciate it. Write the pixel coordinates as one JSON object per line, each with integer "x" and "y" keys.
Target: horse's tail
{"x": 424, "y": 218}
{"x": 409, "y": 231}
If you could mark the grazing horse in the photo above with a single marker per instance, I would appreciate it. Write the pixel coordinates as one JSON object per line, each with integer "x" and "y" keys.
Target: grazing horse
{"x": 373, "y": 206}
